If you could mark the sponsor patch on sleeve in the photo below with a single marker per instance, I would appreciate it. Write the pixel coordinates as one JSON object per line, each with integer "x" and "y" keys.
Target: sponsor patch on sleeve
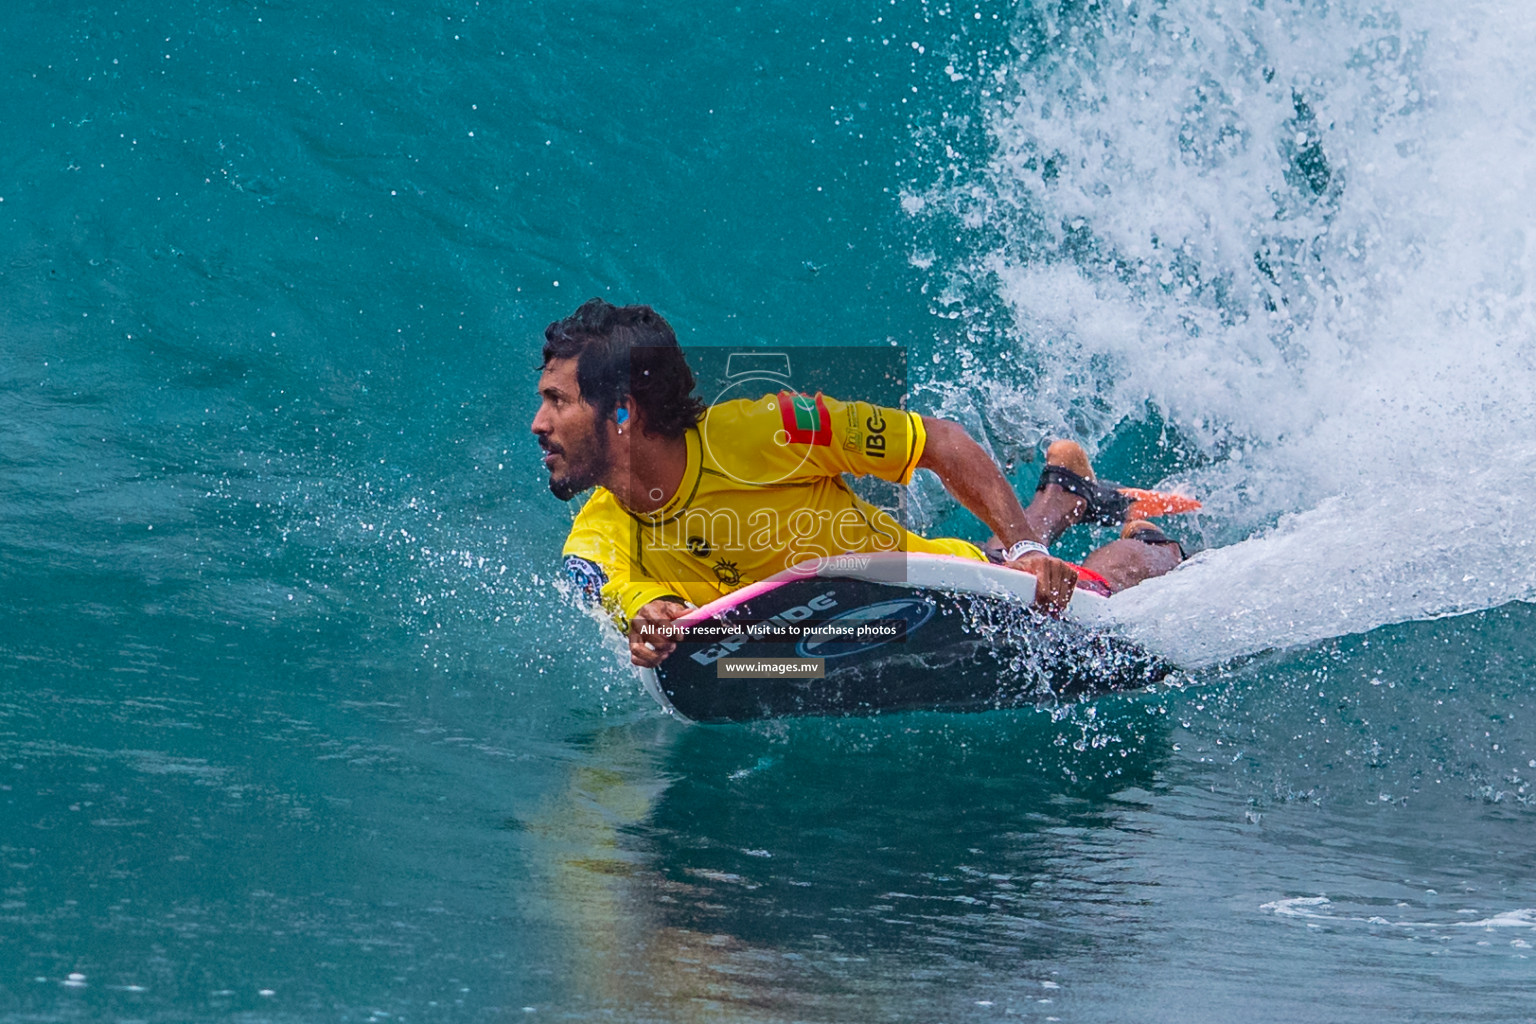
{"x": 587, "y": 577}
{"x": 806, "y": 419}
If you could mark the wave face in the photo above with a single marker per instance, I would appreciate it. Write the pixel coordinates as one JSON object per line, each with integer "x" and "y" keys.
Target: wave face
{"x": 1296, "y": 234}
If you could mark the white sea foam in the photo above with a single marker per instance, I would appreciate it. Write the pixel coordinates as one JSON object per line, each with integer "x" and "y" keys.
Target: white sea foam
{"x": 1347, "y": 565}
{"x": 1347, "y": 329}
{"x": 1321, "y": 908}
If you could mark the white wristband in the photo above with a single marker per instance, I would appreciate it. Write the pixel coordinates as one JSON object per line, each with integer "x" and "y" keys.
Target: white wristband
{"x": 1024, "y": 547}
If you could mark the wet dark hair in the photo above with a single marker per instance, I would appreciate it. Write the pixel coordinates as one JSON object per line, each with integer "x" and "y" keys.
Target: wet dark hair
{"x": 627, "y": 350}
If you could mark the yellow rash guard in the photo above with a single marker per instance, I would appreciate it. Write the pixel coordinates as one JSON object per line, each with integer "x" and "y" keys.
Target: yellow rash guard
{"x": 763, "y": 490}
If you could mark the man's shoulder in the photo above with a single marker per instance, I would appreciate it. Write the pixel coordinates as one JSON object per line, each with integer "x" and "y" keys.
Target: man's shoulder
{"x": 795, "y": 411}
{"x": 740, "y": 409}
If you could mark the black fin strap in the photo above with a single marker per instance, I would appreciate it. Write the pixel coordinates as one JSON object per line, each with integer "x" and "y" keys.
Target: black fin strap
{"x": 1106, "y": 505}
{"x": 1152, "y": 535}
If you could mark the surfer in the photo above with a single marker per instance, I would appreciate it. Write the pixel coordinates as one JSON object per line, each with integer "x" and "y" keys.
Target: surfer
{"x": 692, "y": 502}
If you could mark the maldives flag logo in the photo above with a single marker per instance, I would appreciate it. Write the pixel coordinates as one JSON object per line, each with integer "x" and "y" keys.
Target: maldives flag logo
{"x": 806, "y": 419}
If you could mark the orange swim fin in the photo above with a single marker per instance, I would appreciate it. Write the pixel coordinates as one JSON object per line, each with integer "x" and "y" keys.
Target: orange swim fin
{"x": 1150, "y": 504}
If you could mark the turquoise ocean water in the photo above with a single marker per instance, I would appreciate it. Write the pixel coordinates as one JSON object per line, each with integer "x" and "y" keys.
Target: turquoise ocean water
{"x": 296, "y": 725}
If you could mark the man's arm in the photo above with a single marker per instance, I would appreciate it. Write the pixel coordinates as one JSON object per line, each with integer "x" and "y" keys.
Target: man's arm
{"x": 970, "y": 475}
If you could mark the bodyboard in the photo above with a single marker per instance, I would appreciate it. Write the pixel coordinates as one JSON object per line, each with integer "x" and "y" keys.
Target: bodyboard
{"x": 891, "y": 632}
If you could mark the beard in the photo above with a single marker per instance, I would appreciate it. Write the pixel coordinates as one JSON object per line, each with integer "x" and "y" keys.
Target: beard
{"x": 581, "y": 473}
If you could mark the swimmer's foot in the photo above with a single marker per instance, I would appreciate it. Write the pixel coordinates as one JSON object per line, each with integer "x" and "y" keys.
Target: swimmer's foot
{"x": 1068, "y": 477}
{"x": 1069, "y": 494}
{"x": 1057, "y": 505}
{"x": 1103, "y": 503}
{"x": 1069, "y": 455}
{"x": 1147, "y": 533}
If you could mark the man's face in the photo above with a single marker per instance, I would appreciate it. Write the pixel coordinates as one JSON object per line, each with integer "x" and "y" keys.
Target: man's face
{"x": 575, "y": 444}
